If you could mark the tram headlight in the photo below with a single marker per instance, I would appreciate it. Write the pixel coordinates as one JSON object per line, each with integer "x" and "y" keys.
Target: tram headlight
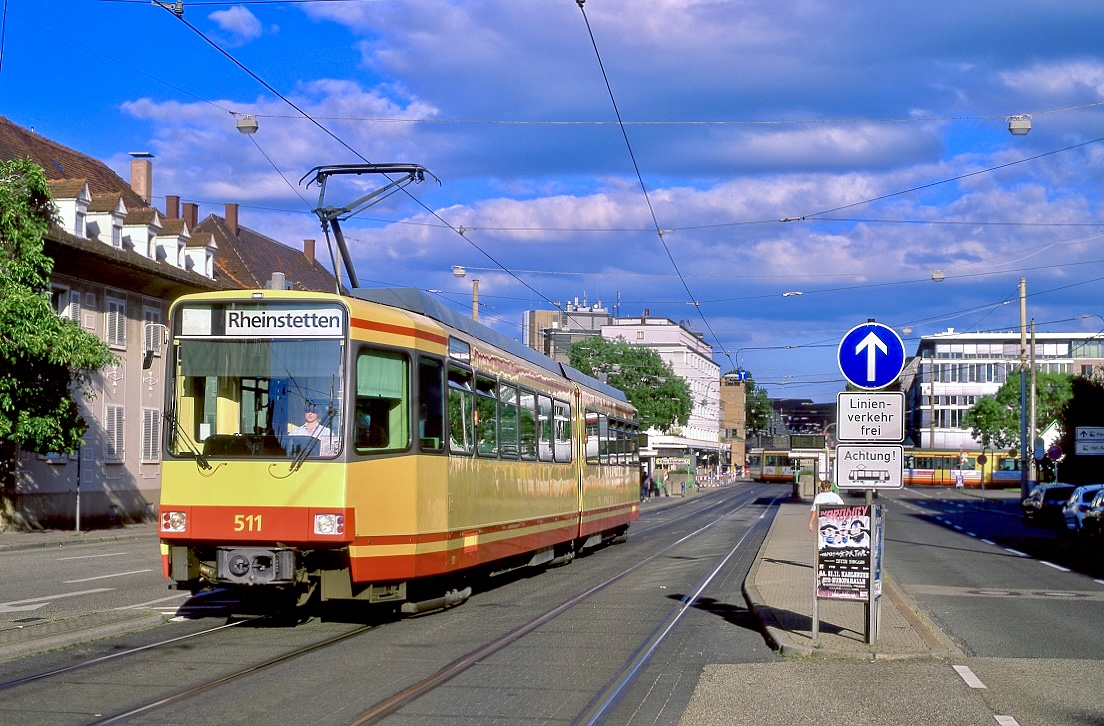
{"x": 329, "y": 524}
{"x": 174, "y": 521}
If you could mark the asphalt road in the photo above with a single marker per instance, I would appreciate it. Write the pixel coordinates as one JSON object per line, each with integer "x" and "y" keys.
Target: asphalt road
{"x": 1030, "y": 635}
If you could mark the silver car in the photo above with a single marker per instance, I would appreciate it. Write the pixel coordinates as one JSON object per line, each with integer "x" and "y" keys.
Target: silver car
{"x": 1078, "y": 504}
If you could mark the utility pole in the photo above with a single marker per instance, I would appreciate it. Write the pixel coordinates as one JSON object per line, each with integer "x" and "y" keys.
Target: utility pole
{"x": 1023, "y": 389}
{"x": 1032, "y": 420}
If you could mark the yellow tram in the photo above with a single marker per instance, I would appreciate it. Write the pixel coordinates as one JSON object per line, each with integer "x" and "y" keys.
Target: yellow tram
{"x": 377, "y": 447}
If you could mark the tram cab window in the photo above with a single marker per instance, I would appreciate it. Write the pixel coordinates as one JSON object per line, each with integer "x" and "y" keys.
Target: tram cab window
{"x": 431, "y": 411}
{"x": 251, "y": 398}
{"x": 486, "y": 416}
{"x": 382, "y": 396}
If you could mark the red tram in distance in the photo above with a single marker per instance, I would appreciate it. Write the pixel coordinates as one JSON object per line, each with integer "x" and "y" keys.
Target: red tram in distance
{"x": 379, "y": 448}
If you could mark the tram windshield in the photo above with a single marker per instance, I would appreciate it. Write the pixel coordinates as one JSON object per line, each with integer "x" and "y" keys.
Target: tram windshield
{"x": 257, "y": 398}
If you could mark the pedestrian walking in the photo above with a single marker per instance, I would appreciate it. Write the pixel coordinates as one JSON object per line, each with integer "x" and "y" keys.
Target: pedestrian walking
{"x": 824, "y": 496}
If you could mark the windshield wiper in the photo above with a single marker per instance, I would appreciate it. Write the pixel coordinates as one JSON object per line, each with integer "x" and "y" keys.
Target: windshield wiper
{"x": 179, "y": 434}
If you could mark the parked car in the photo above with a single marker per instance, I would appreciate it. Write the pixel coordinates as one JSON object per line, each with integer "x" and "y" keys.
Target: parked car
{"x": 1078, "y": 504}
{"x": 1045, "y": 502}
{"x": 1093, "y": 521}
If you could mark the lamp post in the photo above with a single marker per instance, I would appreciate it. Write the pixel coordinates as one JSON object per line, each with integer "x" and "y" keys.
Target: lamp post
{"x": 459, "y": 271}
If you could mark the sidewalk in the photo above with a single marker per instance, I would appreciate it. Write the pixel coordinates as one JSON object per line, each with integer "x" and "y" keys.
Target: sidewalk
{"x": 779, "y": 591}
{"x": 59, "y": 537}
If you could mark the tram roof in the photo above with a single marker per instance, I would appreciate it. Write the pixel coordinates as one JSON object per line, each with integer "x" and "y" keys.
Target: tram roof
{"x": 416, "y": 301}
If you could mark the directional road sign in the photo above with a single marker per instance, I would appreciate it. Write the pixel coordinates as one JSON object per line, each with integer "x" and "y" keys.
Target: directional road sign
{"x": 870, "y": 417}
{"x": 1088, "y": 440}
{"x": 870, "y": 467}
{"x": 871, "y": 355}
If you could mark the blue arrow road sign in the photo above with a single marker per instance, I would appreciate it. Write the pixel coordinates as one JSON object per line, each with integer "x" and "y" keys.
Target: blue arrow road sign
{"x": 871, "y": 355}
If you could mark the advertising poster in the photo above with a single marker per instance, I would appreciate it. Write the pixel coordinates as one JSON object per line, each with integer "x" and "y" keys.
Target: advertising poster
{"x": 845, "y": 552}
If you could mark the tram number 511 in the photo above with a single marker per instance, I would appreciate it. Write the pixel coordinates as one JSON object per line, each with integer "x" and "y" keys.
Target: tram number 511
{"x": 247, "y": 523}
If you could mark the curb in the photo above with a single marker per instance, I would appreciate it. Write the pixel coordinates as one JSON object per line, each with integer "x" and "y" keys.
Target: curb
{"x": 77, "y": 631}
{"x": 75, "y": 539}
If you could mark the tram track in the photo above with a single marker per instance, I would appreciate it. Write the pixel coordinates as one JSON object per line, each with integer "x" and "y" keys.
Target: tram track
{"x": 64, "y": 676}
{"x": 663, "y": 522}
{"x": 609, "y": 695}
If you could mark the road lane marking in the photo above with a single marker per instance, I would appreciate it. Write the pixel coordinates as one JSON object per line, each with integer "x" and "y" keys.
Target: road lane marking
{"x": 88, "y": 557}
{"x": 1016, "y": 552}
{"x": 968, "y": 675}
{"x": 990, "y": 542}
{"x": 1057, "y": 567}
{"x": 1006, "y": 721}
{"x": 105, "y": 577}
{"x": 30, "y": 604}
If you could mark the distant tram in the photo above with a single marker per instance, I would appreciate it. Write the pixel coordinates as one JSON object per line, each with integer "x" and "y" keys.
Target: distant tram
{"x": 921, "y": 467}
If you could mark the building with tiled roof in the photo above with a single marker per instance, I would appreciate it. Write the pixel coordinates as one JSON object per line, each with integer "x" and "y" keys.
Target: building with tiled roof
{"x": 113, "y": 277}
{"x": 249, "y": 258}
{"x": 119, "y": 264}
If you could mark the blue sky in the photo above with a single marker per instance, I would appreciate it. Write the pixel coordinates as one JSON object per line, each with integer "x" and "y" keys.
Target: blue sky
{"x": 879, "y": 128}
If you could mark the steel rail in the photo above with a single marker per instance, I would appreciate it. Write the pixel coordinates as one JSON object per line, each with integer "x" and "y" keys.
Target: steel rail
{"x": 597, "y": 709}
{"x": 130, "y": 651}
{"x": 200, "y": 688}
{"x": 463, "y": 663}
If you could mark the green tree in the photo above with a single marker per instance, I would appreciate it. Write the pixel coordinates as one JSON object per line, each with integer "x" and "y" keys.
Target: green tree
{"x": 1085, "y": 407}
{"x": 995, "y": 420}
{"x": 661, "y": 397}
{"x": 757, "y": 409}
{"x": 45, "y": 360}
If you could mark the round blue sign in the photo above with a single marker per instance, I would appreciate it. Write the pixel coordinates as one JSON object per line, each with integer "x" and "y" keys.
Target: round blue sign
{"x": 871, "y": 355}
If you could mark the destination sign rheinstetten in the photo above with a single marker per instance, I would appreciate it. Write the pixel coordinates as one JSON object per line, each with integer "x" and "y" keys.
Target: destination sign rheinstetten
{"x": 870, "y": 417}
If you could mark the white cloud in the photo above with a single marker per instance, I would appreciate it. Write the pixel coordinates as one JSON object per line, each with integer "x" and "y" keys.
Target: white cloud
{"x": 242, "y": 25}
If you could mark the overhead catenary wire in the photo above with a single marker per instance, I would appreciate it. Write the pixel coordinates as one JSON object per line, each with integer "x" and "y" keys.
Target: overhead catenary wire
{"x": 640, "y": 179}
{"x": 458, "y": 229}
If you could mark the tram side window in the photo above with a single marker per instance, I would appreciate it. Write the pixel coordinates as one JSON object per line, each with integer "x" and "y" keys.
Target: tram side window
{"x": 382, "y": 402}
{"x": 592, "y": 437}
{"x": 562, "y": 431}
{"x": 527, "y": 425}
{"x": 486, "y": 416}
{"x": 461, "y": 411}
{"x": 544, "y": 427}
{"x": 431, "y": 414}
{"x": 634, "y": 447}
{"x": 508, "y": 421}
{"x": 617, "y": 443}
{"x": 603, "y": 439}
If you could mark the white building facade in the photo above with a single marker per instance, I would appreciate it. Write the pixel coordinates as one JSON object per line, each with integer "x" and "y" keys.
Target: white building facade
{"x": 953, "y": 370}
{"x": 691, "y": 358}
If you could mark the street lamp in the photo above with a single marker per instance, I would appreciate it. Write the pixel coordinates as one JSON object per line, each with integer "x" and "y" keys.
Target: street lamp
{"x": 459, "y": 271}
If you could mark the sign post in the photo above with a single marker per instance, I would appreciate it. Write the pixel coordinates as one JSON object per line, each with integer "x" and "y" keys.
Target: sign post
{"x": 870, "y": 427}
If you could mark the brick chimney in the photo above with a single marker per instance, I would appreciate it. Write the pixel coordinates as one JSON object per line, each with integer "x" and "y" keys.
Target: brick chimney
{"x": 191, "y": 214}
{"x": 172, "y": 207}
{"x": 141, "y": 174}
{"x": 308, "y": 249}
{"x": 231, "y": 217}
